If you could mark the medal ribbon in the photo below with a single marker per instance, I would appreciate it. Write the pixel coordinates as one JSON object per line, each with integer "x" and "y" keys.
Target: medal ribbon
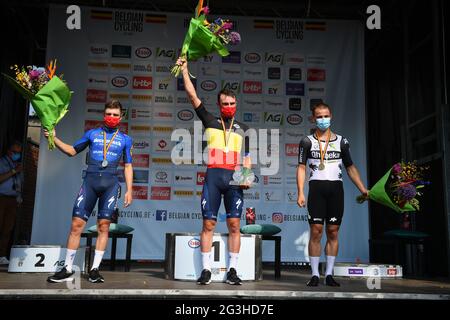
{"x": 322, "y": 153}
{"x": 106, "y": 147}
{"x": 226, "y": 140}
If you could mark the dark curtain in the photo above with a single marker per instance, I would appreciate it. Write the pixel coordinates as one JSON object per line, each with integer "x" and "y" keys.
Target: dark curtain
{"x": 384, "y": 96}
{"x": 402, "y": 45}
{"x": 23, "y": 32}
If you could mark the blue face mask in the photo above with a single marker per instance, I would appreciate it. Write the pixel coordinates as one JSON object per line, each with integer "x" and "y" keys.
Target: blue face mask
{"x": 323, "y": 123}
{"x": 16, "y": 156}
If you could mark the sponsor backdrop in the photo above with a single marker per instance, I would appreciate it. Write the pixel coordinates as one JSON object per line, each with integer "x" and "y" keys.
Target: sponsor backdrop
{"x": 279, "y": 71}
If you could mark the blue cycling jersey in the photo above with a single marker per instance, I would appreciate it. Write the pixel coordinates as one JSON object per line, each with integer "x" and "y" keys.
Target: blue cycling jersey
{"x": 94, "y": 138}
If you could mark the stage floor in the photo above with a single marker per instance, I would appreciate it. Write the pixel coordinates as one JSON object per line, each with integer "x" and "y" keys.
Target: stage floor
{"x": 147, "y": 281}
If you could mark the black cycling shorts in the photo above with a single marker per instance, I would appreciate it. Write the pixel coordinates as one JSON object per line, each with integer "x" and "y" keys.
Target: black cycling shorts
{"x": 325, "y": 202}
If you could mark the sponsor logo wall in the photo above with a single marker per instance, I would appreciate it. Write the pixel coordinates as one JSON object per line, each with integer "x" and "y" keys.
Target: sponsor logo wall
{"x": 282, "y": 68}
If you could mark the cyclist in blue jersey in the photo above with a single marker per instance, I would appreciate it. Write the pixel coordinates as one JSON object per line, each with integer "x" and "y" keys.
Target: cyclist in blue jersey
{"x": 107, "y": 145}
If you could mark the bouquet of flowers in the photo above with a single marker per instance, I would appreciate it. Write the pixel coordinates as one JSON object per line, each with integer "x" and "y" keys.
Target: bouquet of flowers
{"x": 399, "y": 187}
{"x": 203, "y": 37}
{"x": 48, "y": 94}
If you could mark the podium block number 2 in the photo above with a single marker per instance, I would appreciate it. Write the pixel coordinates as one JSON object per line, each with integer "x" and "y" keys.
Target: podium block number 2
{"x": 41, "y": 258}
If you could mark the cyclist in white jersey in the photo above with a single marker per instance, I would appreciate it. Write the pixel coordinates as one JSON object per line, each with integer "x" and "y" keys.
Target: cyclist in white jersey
{"x": 325, "y": 153}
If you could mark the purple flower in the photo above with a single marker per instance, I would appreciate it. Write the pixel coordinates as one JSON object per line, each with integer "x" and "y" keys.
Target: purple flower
{"x": 227, "y": 25}
{"x": 235, "y": 38}
{"x": 406, "y": 192}
{"x": 34, "y": 74}
{"x": 396, "y": 169}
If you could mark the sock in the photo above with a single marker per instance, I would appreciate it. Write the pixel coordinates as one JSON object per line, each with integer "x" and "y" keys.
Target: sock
{"x": 70, "y": 256}
{"x": 315, "y": 265}
{"x": 233, "y": 260}
{"x": 97, "y": 259}
{"x": 206, "y": 260}
{"x": 330, "y": 265}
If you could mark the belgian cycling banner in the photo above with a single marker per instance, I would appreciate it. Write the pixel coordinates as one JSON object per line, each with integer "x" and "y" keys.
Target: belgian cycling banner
{"x": 280, "y": 69}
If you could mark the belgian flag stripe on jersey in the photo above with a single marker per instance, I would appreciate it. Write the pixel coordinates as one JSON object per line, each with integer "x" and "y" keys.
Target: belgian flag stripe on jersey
{"x": 217, "y": 157}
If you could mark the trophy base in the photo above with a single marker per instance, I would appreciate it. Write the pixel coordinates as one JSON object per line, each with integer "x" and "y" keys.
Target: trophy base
{"x": 235, "y": 183}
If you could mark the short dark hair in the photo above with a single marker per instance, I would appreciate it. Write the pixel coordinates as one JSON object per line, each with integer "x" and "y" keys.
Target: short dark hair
{"x": 226, "y": 92}
{"x": 320, "y": 105}
{"x": 15, "y": 143}
{"x": 114, "y": 104}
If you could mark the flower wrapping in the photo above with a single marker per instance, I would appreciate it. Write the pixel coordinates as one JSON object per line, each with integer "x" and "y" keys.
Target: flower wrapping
{"x": 48, "y": 94}
{"x": 399, "y": 188}
{"x": 203, "y": 38}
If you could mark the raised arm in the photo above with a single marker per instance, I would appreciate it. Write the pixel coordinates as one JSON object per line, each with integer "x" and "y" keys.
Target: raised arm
{"x": 188, "y": 85}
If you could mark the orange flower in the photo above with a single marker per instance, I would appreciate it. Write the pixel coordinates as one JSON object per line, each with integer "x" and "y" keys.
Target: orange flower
{"x": 51, "y": 68}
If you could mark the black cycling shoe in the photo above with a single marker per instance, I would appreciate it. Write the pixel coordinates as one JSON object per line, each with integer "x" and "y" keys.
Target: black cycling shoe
{"x": 313, "y": 282}
{"x": 205, "y": 277}
{"x": 329, "y": 281}
{"x": 232, "y": 277}
{"x": 95, "y": 277}
{"x": 61, "y": 276}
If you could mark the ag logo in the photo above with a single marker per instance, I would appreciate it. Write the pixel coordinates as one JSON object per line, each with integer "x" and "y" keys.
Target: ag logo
{"x": 165, "y": 54}
{"x": 231, "y": 85}
{"x": 274, "y": 58}
{"x": 273, "y": 117}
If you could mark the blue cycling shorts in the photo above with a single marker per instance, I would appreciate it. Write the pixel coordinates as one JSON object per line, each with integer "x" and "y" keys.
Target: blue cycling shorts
{"x": 103, "y": 187}
{"x": 217, "y": 184}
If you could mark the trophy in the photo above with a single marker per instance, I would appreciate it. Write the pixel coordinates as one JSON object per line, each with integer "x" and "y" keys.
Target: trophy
{"x": 243, "y": 177}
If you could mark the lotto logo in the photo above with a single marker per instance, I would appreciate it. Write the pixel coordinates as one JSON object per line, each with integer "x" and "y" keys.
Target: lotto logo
{"x": 142, "y": 82}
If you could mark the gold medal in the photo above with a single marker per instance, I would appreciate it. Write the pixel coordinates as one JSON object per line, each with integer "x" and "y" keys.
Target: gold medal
{"x": 225, "y": 138}
{"x": 321, "y": 166}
